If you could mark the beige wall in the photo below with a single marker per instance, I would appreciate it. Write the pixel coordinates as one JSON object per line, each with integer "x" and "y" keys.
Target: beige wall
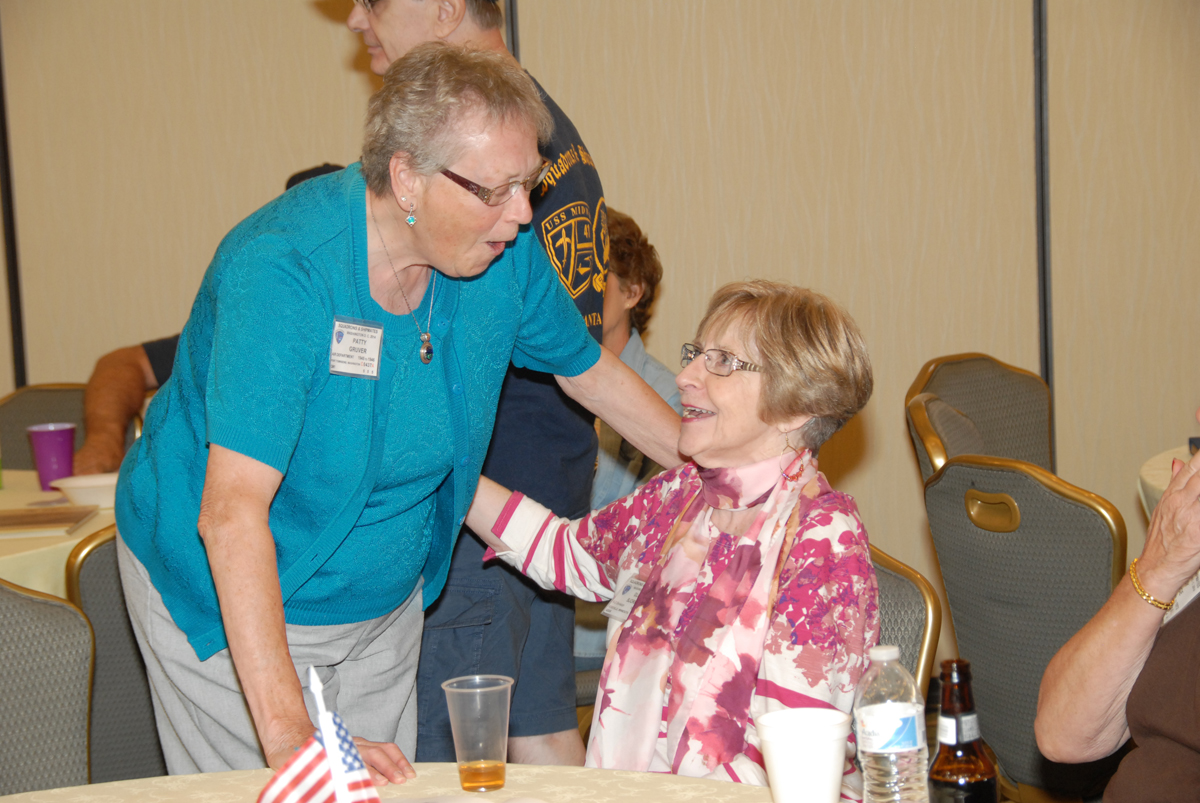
{"x": 1125, "y": 217}
{"x": 141, "y": 133}
{"x": 879, "y": 152}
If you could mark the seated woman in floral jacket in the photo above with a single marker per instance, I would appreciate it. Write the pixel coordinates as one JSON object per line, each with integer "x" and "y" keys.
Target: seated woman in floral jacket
{"x": 741, "y": 583}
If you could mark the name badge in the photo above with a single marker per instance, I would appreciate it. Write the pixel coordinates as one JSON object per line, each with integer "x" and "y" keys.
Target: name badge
{"x": 354, "y": 347}
{"x": 622, "y": 604}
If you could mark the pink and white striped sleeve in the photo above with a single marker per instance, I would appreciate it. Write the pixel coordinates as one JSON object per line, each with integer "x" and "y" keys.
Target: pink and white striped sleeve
{"x": 546, "y": 549}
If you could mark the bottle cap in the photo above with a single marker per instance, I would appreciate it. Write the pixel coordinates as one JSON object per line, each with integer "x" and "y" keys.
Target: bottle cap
{"x": 884, "y": 652}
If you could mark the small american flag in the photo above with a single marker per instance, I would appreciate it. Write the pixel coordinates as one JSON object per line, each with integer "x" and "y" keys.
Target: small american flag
{"x": 326, "y": 769}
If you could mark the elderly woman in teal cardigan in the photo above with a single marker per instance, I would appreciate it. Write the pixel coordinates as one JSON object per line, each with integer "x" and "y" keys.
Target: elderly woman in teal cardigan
{"x": 303, "y": 475}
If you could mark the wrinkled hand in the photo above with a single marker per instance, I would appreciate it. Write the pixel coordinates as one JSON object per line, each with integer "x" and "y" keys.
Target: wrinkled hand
{"x": 1172, "y": 552}
{"x": 385, "y": 762}
{"x": 286, "y": 740}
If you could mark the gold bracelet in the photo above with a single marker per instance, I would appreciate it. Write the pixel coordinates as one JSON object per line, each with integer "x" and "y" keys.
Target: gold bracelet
{"x": 1137, "y": 586}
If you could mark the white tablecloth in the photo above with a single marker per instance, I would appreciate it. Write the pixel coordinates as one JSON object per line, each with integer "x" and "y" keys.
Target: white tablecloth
{"x": 1155, "y": 474}
{"x": 549, "y": 784}
{"x": 37, "y": 559}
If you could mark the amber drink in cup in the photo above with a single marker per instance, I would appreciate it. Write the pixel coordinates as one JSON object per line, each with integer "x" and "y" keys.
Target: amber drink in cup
{"x": 479, "y": 720}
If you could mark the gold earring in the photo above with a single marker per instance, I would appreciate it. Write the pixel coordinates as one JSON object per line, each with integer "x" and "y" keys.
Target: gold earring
{"x": 787, "y": 446}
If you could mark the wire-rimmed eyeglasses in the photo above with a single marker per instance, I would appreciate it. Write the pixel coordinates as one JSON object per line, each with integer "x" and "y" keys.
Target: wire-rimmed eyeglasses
{"x": 495, "y": 196}
{"x": 717, "y": 361}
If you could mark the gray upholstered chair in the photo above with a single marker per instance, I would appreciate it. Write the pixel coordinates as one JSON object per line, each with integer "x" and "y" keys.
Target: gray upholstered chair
{"x": 1027, "y": 560}
{"x": 43, "y": 404}
{"x": 45, "y": 680}
{"x": 910, "y": 615}
{"x": 975, "y": 404}
{"x": 123, "y": 742}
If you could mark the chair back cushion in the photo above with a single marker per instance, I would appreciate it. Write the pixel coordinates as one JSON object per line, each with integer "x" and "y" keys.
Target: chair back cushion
{"x": 124, "y": 739}
{"x": 1016, "y": 597}
{"x": 901, "y": 616}
{"x": 45, "y": 674}
{"x": 1009, "y": 409}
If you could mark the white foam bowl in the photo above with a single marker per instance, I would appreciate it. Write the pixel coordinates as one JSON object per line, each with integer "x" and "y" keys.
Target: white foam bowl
{"x": 89, "y": 489}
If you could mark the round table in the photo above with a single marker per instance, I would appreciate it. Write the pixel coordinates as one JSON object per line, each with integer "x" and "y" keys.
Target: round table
{"x": 433, "y": 782}
{"x": 37, "y": 559}
{"x": 1155, "y": 474}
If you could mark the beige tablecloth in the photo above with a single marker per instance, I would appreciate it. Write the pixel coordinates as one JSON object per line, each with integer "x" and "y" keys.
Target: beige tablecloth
{"x": 1155, "y": 474}
{"x": 549, "y": 784}
{"x": 37, "y": 559}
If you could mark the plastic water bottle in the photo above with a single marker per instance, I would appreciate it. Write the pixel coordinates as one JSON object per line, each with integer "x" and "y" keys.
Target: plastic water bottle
{"x": 889, "y": 718}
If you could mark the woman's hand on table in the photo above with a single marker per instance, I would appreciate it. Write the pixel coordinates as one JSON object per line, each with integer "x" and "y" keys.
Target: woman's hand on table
{"x": 385, "y": 762}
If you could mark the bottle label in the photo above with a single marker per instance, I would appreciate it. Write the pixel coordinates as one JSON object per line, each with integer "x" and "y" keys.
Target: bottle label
{"x": 958, "y": 730}
{"x": 890, "y": 727}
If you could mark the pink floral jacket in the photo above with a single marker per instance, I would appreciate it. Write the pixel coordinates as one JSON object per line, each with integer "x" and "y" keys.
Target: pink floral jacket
{"x": 704, "y": 652}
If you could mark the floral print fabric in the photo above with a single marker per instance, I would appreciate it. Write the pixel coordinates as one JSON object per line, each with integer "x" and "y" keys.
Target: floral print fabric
{"x": 723, "y": 629}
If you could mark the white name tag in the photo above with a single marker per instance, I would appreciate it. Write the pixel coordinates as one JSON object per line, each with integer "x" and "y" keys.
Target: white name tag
{"x": 1184, "y": 597}
{"x": 622, "y": 604}
{"x": 354, "y": 347}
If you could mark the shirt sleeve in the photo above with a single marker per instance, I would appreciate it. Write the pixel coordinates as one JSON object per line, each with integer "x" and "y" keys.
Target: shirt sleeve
{"x": 552, "y": 337}
{"x": 161, "y": 354}
{"x": 584, "y": 557}
{"x": 270, "y": 335}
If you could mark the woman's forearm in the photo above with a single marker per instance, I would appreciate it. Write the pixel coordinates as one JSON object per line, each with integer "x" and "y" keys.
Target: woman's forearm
{"x": 490, "y": 498}
{"x": 241, "y": 555}
{"x": 615, "y": 393}
{"x": 1081, "y": 704}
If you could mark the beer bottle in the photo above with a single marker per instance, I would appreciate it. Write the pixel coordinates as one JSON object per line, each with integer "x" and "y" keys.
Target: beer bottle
{"x": 961, "y": 772}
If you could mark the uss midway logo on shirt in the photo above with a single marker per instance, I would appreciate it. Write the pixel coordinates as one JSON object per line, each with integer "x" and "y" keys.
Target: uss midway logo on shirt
{"x": 576, "y": 236}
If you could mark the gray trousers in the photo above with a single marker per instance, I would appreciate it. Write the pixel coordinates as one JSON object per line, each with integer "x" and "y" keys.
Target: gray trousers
{"x": 368, "y": 670}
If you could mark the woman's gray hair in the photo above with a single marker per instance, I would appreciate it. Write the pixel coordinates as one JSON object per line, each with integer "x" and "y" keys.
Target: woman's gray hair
{"x": 428, "y": 95}
{"x": 814, "y": 361}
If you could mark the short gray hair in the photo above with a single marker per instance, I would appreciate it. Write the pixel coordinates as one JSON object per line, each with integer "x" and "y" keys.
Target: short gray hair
{"x": 429, "y": 92}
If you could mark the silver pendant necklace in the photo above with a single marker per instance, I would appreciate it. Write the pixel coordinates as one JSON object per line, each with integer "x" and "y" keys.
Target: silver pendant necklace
{"x": 426, "y": 351}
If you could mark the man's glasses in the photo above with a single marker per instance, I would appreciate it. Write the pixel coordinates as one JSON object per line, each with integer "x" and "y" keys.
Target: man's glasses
{"x": 717, "y": 361}
{"x": 495, "y": 196}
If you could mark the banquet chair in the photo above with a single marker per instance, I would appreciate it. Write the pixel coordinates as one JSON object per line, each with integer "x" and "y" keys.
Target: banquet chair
{"x": 46, "y": 651}
{"x": 1027, "y": 559}
{"x": 44, "y": 404}
{"x": 123, "y": 740}
{"x": 910, "y": 615}
{"x": 975, "y": 404}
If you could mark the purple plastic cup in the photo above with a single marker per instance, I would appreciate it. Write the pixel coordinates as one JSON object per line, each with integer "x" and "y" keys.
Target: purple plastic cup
{"x": 53, "y": 451}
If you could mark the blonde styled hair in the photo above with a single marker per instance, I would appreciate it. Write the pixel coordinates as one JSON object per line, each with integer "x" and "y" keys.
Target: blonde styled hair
{"x": 430, "y": 93}
{"x": 813, "y": 358}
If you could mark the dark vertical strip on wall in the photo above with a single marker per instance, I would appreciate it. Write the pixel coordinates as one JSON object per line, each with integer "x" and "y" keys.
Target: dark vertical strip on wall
{"x": 511, "y": 29}
{"x": 10, "y": 242}
{"x": 1042, "y": 167}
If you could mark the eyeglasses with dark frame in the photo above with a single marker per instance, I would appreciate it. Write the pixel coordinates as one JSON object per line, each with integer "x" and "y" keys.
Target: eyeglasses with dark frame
{"x": 717, "y": 361}
{"x": 496, "y": 196}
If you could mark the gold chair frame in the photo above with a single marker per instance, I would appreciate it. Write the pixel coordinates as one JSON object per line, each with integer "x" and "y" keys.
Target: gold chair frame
{"x": 1055, "y": 484}
{"x": 79, "y": 554}
{"x": 933, "y": 614}
{"x": 917, "y": 399}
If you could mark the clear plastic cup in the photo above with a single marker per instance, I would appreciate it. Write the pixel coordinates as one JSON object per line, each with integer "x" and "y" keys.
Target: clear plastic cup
{"x": 479, "y": 720}
{"x": 53, "y": 451}
{"x": 805, "y": 753}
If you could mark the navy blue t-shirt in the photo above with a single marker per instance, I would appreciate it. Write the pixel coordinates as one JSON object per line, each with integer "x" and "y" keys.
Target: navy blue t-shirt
{"x": 544, "y": 444}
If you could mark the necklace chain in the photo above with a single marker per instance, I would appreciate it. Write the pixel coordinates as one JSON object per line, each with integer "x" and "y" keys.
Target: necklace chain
{"x": 426, "y": 351}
